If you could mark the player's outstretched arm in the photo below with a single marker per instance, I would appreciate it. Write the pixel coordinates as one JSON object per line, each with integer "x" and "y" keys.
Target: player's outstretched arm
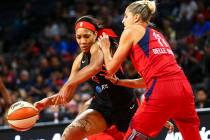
{"x": 130, "y": 83}
{"x": 5, "y": 93}
{"x": 76, "y": 77}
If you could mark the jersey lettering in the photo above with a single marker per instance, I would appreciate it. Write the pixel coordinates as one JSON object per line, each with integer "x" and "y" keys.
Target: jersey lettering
{"x": 165, "y": 48}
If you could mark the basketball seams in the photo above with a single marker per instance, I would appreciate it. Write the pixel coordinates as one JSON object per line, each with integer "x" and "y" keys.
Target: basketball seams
{"x": 19, "y": 105}
{"x": 18, "y": 115}
{"x": 22, "y": 116}
{"x": 13, "y": 123}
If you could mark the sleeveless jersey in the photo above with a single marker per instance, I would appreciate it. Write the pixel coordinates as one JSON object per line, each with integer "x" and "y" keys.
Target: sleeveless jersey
{"x": 107, "y": 94}
{"x": 153, "y": 58}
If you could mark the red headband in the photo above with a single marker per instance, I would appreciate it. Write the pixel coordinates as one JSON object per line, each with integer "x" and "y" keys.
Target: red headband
{"x": 85, "y": 24}
{"x": 107, "y": 31}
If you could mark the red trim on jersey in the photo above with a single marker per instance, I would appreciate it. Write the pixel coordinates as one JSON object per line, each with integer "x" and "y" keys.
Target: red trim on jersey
{"x": 108, "y": 31}
{"x": 85, "y": 24}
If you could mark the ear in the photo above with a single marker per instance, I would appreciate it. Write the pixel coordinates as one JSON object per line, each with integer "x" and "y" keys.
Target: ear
{"x": 137, "y": 18}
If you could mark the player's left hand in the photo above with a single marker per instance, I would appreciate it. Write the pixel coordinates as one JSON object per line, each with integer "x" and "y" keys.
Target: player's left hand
{"x": 104, "y": 42}
{"x": 112, "y": 78}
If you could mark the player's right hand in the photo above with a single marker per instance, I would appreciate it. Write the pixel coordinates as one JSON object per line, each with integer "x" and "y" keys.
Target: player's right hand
{"x": 103, "y": 41}
{"x": 40, "y": 105}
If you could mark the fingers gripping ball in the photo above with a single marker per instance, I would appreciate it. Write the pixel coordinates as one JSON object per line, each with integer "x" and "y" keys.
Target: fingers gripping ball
{"x": 22, "y": 116}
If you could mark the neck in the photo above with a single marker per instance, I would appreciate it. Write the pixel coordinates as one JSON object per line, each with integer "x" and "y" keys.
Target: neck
{"x": 143, "y": 24}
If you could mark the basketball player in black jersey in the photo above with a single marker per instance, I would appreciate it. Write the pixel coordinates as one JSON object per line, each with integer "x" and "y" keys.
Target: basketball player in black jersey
{"x": 111, "y": 104}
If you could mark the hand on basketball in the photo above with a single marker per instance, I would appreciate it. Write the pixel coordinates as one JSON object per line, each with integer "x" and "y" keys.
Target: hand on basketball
{"x": 104, "y": 42}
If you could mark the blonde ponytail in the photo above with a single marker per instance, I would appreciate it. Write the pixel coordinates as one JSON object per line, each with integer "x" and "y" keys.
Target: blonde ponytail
{"x": 145, "y": 8}
{"x": 151, "y": 5}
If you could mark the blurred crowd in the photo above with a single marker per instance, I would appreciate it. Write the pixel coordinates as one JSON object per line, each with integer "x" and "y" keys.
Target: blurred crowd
{"x": 37, "y": 47}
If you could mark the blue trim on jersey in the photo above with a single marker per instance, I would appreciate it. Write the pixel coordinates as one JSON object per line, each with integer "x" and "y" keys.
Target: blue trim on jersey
{"x": 149, "y": 92}
{"x": 144, "y": 42}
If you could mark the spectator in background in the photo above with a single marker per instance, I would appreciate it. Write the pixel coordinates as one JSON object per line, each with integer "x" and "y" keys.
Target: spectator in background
{"x": 37, "y": 88}
{"x": 187, "y": 10}
{"x": 203, "y": 9}
{"x": 168, "y": 30}
{"x": 44, "y": 67}
{"x": 60, "y": 46}
{"x": 190, "y": 63}
{"x": 201, "y": 27}
{"x": 24, "y": 81}
{"x": 202, "y": 98}
{"x": 207, "y": 64}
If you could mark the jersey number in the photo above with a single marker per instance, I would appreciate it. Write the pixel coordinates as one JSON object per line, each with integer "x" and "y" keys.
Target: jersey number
{"x": 161, "y": 40}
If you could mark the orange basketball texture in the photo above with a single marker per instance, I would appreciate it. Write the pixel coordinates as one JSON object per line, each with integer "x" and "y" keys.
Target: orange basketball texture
{"x": 22, "y": 116}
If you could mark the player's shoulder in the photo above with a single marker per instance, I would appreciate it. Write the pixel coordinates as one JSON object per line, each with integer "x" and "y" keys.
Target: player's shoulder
{"x": 79, "y": 57}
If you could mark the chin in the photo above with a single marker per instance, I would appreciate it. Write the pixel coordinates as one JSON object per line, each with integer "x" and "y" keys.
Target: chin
{"x": 85, "y": 51}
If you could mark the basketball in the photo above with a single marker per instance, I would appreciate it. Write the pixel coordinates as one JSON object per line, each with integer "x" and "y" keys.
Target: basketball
{"x": 22, "y": 116}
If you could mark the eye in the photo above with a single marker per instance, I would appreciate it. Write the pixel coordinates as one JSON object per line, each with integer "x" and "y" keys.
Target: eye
{"x": 86, "y": 36}
{"x": 78, "y": 37}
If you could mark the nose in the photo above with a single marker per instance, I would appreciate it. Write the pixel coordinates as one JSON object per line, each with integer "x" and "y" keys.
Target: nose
{"x": 82, "y": 40}
{"x": 123, "y": 20}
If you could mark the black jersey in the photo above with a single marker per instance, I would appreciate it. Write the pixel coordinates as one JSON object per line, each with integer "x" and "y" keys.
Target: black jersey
{"x": 108, "y": 94}
{"x": 117, "y": 104}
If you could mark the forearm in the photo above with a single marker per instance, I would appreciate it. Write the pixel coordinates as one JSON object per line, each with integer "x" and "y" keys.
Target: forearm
{"x": 58, "y": 100}
{"x": 5, "y": 95}
{"x": 108, "y": 62}
{"x": 53, "y": 100}
{"x": 83, "y": 75}
{"x": 131, "y": 83}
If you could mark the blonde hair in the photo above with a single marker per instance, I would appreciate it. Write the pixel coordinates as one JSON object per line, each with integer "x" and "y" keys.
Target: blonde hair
{"x": 146, "y": 8}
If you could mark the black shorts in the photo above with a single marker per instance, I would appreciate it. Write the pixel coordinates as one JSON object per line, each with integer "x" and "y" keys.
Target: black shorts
{"x": 119, "y": 116}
